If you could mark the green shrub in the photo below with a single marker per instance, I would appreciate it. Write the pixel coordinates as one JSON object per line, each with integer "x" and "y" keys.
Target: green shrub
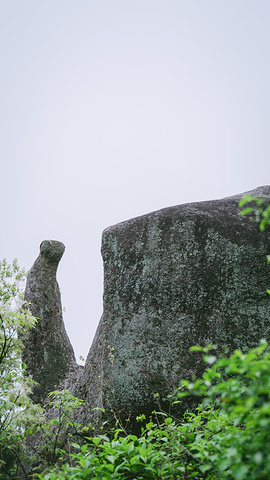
{"x": 17, "y": 413}
{"x": 28, "y": 440}
{"x": 228, "y": 437}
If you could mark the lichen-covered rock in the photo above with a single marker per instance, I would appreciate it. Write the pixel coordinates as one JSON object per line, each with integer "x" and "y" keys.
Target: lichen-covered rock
{"x": 186, "y": 275}
{"x": 48, "y": 353}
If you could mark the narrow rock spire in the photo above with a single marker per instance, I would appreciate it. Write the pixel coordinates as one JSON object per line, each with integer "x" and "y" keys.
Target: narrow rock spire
{"x": 48, "y": 353}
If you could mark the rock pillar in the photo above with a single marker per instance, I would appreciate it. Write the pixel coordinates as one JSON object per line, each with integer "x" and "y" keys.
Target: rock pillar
{"x": 48, "y": 353}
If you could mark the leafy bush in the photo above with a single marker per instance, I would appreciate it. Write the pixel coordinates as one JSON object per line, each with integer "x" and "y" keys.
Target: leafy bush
{"x": 31, "y": 437}
{"x": 50, "y": 442}
{"x": 236, "y": 432}
{"x": 258, "y": 208}
{"x": 17, "y": 412}
{"x": 228, "y": 437}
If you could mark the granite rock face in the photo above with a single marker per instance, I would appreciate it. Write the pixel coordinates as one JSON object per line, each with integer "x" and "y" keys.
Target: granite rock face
{"x": 48, "y": 353}
{"x": 187, "y": 275}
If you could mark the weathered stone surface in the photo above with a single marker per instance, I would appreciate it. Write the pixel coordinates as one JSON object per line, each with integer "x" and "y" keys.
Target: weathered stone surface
{"x": 48, "y": 353}
{"x": 185, "y": 275}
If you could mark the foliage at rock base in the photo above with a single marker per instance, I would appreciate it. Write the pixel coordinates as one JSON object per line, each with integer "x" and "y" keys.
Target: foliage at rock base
{"x": 227, "y": 438}
{"x": 17, "y": 412}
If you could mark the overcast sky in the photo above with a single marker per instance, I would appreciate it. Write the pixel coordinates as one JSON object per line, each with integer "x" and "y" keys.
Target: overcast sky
{"x": 110, "y": 109}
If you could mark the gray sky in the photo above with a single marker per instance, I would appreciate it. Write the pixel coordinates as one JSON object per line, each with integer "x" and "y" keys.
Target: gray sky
{"x": 110, "y": 109}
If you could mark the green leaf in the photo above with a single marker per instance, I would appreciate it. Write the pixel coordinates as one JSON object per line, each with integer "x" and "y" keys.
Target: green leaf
{"x": 111, "y": 459}
{"x": 130, "y": 448}
{"x": 210, "y": 359}
{"x": 247, "y": 199}
{"x": 96, "y": 441}
{"x": 196, "y": 348}
{"x": 247, "y": 210}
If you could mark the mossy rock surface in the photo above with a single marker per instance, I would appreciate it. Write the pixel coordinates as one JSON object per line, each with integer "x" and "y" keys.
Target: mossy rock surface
{"x": 187, "y": 275}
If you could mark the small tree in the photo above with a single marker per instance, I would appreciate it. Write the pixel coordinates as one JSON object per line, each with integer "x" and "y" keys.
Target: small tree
{"x": 18, "y": 414}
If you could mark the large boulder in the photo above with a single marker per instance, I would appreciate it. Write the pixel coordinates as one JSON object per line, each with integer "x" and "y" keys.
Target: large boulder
{"x": 47, "y": 352}
{"x": 187, "y": 275}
